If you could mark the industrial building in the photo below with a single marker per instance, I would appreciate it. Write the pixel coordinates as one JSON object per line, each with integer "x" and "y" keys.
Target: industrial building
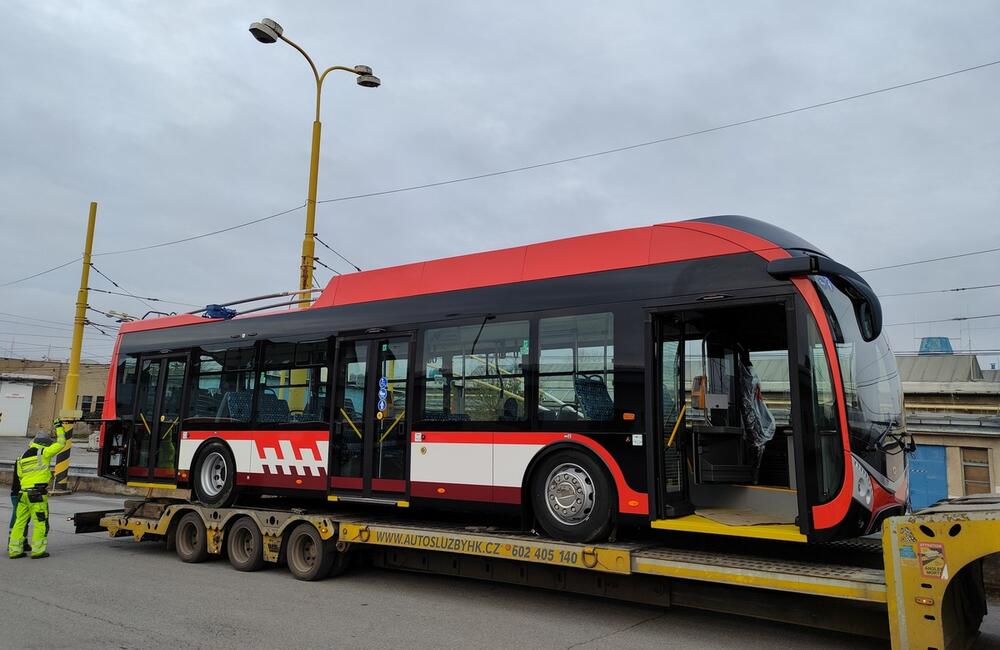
{"x": 31, "y": 393}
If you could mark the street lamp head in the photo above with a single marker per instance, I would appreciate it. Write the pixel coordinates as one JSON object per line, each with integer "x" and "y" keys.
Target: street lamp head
{"x": 369, "y": 81}
{"x": 266, "y": 31}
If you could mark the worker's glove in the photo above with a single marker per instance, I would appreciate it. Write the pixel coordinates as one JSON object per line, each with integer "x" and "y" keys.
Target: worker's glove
{"x": 57, "y": 423}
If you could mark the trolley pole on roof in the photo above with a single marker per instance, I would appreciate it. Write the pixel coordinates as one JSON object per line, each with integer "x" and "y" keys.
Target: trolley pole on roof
{"x": 69, "y": 412}
{"x": 268, "y": 31}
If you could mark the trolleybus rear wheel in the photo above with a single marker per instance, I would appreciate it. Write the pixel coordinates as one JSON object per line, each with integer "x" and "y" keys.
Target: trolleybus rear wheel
{"x": 245, "y": 545}
{"x": 214, "y": 477}
{"x": 190, "y": 538}
{"x": 309, "y": 557}
{"x": 572, "y": 497}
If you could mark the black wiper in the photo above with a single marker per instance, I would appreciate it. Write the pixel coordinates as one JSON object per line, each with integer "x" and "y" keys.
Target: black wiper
{"x": 899, "y": 442}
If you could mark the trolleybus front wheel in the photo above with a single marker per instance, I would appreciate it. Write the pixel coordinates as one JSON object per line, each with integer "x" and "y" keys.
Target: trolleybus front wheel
{"x": 214, "y": 476}
{"x": 245, "y": 545}
{"x": 572, "y": 497}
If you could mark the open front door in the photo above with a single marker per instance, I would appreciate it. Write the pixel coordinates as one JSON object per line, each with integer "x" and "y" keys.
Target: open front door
{"x": 370, "y": 419}
{"x": 152, "y": 445}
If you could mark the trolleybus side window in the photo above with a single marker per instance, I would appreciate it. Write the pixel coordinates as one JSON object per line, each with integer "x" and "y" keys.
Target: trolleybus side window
{"x": 476, "y": 372}
{"x": 222, "y": 387}
{"x": 576, "y": 369}
{"x": 292, "y": 386}
{"x": 829, "y": 466}
{"x": 125, "y": 390}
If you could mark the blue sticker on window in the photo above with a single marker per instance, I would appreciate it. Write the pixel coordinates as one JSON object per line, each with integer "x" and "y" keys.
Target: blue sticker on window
{"x": 381, "y": 405}
{"x": 382, "y": 393}
{"x": 382, "y": 382}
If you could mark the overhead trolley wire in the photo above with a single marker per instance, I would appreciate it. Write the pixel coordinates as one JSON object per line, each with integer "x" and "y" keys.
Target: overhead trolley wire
{"x": 119, "y": 293}
{"x": 202, "y": 235}
{"x": 540, "y": 165}
{"x": 331, "y": 249}
{"x": 127, "y": 292}
{"x": 923, "y": 293}
{"x": 35, "y": 275}
{"x": 945, "y": 320}
{"x": 663, "y": 140}
{"x": 334, "y": 271}
{"x": 931, "y": 259}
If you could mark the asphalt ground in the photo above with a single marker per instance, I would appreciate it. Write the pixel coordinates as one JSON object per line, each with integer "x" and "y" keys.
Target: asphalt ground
{"x": 97, "y": 592}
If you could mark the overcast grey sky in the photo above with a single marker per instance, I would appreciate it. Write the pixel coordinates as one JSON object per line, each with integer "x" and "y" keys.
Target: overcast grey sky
{"x": 178, "y": 122}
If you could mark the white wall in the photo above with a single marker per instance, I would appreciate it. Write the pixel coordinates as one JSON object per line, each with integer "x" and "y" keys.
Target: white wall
{"x": 15, "y": 408}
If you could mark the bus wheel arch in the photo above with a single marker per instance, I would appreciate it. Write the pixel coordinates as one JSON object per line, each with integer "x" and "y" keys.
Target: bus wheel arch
{"x": 570, "y": 493}
{"x": 213, "y": 474}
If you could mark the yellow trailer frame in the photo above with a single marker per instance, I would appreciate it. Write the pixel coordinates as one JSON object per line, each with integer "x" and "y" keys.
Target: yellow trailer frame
{"x": 929, "y": 563}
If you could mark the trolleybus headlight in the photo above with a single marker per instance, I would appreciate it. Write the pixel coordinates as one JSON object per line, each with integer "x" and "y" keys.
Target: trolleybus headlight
{"x": 862, "y": 484}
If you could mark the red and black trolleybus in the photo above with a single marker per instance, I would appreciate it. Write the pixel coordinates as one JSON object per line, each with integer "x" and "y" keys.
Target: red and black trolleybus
{"x": 718, "y": 375}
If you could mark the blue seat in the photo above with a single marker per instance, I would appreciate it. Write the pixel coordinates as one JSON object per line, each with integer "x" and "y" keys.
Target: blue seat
{"x": 235, "y": 406}
{"x": 271, "y": 409}
{"x": 592, "y": 397}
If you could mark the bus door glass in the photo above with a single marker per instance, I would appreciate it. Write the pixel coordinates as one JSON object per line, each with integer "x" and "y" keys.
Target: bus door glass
{"x": 370, "y": 423}
{"x": 156, "y": 418}
{"x": 670, "y": 403}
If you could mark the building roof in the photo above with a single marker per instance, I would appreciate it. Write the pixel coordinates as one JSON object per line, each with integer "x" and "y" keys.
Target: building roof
{"x": 25, "y": 378}
{"x": 939, "y": 367}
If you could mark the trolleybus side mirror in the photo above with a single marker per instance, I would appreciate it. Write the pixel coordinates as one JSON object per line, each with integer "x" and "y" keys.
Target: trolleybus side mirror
{"x": 867, "y": 308}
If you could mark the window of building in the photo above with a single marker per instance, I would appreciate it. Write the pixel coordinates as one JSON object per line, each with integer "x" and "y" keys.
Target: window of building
{"x": 976, "y": 471}
{"x": 86, "y": 401}
{"x": 576, "y": 379}
{"x": 222, "y": 387}
{"x": 476, "y": 372}
{"x": 99, "y": 404}
{"x": 293, "y": 384}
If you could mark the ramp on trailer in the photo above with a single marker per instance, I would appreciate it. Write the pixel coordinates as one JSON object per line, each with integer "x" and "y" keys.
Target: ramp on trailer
{"x": 921, "y": 586}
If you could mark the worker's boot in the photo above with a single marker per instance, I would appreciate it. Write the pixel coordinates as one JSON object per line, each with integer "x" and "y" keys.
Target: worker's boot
{"x": 18, "y": 556}
{"x": 40, "y": 555}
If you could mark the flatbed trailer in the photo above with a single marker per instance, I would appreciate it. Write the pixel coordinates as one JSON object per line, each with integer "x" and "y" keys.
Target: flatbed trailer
{"x": 921, "y": 586}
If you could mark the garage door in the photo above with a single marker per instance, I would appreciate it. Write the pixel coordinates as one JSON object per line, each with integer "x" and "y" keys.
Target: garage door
{"x": 928, "y": 476}
{"x": 15, "y": 407}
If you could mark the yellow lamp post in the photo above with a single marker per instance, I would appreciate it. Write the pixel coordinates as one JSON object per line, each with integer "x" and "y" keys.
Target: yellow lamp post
{"x": 268, "y": 31}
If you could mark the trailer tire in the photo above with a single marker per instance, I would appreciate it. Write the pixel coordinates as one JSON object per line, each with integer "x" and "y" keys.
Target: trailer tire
{"x": 572, "y": 496}
{"x": 214, "y": 477}
{"x": 309, "y": 557}
{"x": 191, "y": 538}
{"x": 245, "y": 545}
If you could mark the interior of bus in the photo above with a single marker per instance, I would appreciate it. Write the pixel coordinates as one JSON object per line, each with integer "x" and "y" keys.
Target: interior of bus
{"x": 725, "y": 404}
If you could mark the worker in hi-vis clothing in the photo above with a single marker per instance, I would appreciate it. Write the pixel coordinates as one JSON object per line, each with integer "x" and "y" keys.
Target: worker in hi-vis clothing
{"x": 32, "y": 471}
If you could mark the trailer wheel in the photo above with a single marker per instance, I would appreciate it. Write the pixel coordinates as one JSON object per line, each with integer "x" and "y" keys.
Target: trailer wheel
{"x": 308, "y": 556}
{"x": 245, "y": 545}
{"x": 214, "y": 476}
{"x": 191, "y": 538}
{"x": 572, "y": 496}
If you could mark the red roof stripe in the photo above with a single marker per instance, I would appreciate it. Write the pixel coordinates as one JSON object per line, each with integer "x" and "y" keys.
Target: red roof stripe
{"x": 606, "y": 251}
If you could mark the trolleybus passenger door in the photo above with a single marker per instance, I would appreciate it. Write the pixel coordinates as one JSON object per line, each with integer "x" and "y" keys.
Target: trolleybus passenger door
{"x": 370, "y": 436}
{"x": 723, "y": 393}
{"x": 156, "y": 420}
{"x": 669, "y": 401}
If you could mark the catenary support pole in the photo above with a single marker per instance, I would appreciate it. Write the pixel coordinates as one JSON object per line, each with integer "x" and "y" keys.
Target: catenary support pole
{"x": 69, "y": 412}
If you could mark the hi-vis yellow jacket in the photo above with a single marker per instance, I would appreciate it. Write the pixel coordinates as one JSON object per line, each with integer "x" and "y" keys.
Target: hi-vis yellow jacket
{"x": 33, "y": 468}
